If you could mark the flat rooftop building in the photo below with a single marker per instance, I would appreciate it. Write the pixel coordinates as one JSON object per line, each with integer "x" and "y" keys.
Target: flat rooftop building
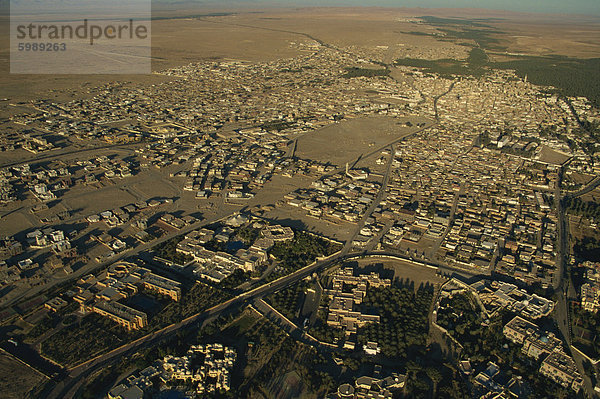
{"x": 130, "y": 318}
{"x": 163, "y": 285}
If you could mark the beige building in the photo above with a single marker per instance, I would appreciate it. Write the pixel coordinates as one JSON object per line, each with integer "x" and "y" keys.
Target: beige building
{"x": 278, "y": 233}
{"x": 590, "y": 289}
{"x": 561, "y": 368}
{"x": 124, "y": 315}
{"x": 341, "y": 307}
{"x": 518, "y": 329}
{"x": 540, "y": 344}
{"x": 162, "y": 285}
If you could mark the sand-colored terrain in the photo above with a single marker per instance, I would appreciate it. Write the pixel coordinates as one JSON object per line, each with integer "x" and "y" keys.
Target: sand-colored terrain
{"x": 17, "y": 379}
{"x": 405, "y": 270}
{"x": 264, "y": 35}
{"x": 346, "y": 141}
{"x": 549, "y": 155}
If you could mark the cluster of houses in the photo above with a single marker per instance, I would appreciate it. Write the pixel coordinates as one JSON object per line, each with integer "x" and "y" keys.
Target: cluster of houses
{"x": 73, "y": 120}
{"x": 492, "y": 382}
{"x": 496, "y": 295}
{"x": 17, "y": 270}
{"x": 344, "y": 301}
{"x": 229, "y": 123}
{"x": 32, "y": 141}
{"x": 239, "y": 166}
{"x": 488, "y": 209}
{"x": 305, "y": 167}
{"x": 217, "y": 265}
{"x": 7, "y": 189}
{"x": 336, "y": 198}
{"x": 298, "y": 100}
{"x": 104, "y": 293}
{"x": 589, "y": 292}
{"x": 135, "y": 215}
{"x": 492, "y": 296}
{"x": 375, "y": 386}
{"x": 56, "y": 240}
{"x": 41, "y": 182}
{"x": 542, "y": 345}
{"x": 499, "y": 97}
{"x": 120, "y": 216}
{"x": 46, "y": 182}
{"x": 206, "y": 367}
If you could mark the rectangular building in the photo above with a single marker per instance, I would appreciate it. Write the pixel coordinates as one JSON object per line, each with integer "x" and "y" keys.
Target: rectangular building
{"x": 130, "y": 318}
{"x": 561, "y": 368}
{"x": 518, "y": 329}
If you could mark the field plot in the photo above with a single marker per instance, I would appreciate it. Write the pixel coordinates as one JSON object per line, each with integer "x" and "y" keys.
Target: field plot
{"x": 16, "y": 379}
{"x": 346, "y": 141}
{"x": 185, "y": 40}
{"x": 551, "y": 156}
{"x": 404, "y": 270}
{"x": 580, "y": 178}
{"x": 593, "y": 196}
{"x": 277, "y": 187}
{"x": 297, "y": 218}
{"x": 109, "y": 197}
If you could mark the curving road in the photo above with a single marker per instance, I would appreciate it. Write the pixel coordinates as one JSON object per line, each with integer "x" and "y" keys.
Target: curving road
{"x": 58, "y": 154}
{"x": 76, "y": 375}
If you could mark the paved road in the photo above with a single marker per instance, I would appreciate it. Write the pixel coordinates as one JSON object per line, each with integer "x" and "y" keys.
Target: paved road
{"x": 374, "y": 204}
{"x": 59, "y": 154}
{"x": 68, "y": 386}
{"x": 293, "y": 330}
{"x": 563, "y": 285}
{"x": 592, "y": 185}
{"x": 92, "y": 266}
{"x": 436, "y": 98}
{"x": 79, "y": 372}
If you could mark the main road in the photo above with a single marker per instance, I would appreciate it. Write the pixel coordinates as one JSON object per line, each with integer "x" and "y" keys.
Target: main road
{"x": 562, "y": 282}
{"x": 58, "y": 153}
{"x": 76, "y": 375}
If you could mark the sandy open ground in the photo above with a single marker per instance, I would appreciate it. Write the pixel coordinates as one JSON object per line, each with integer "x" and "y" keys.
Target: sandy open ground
{"x": 16, "y": 379}
{"x": 264, "y": 35}
{"x": 404, "y": 270}
{"x": 346, "y": 141}
{"x": 552, "y": 156}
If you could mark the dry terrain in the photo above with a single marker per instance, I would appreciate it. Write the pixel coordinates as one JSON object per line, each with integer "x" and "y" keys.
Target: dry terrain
{"x": 266, "y": 35}
{"x": 404, "y": 270}
{"x": 346, "y": 141}
{"x": 552, "y": 156}
{"x": 17, "y": 379}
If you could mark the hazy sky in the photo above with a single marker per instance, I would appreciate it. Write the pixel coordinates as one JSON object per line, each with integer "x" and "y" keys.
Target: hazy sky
{"x": 589, "y": 7}
{"x": 544, "y": 6}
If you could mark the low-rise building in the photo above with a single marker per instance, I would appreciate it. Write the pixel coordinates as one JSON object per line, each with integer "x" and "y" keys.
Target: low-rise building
{"x": 100, "y": 294}
{"x": 162, "y": 285}
{"x": 207, "y": 366}
{"x": 278, "y": 233}
{"x": 561, "y": 368}
{"x": 129, "y": 318}
{"x": 341, "y": 307}
{"x": 373, "y": 387}
{"x": 518, "y": 329}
